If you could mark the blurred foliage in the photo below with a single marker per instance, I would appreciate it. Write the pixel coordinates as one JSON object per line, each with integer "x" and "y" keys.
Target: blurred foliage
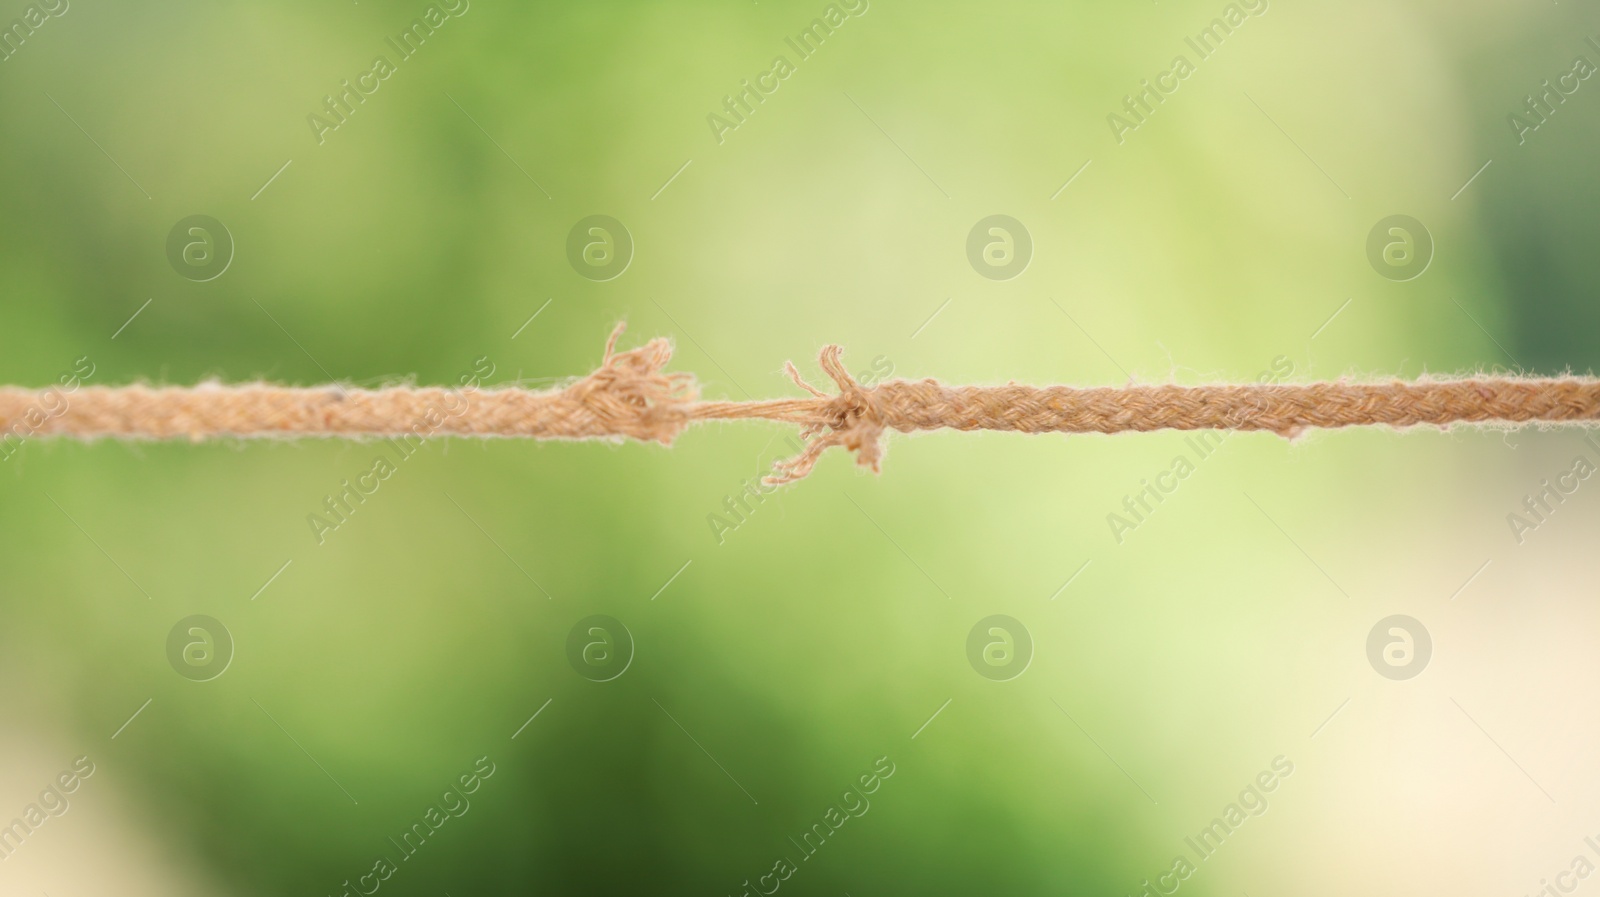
{"x": 822, "y": 632}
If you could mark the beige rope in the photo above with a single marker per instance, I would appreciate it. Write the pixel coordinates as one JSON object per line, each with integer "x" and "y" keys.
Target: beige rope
{"x": 631, "y": 395}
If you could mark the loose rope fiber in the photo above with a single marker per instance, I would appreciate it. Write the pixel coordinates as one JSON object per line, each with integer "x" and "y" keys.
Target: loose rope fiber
{"x": 632, "y": 396}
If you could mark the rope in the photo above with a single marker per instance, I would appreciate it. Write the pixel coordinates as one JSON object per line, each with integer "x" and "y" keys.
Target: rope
{"x": 632, "y": 396}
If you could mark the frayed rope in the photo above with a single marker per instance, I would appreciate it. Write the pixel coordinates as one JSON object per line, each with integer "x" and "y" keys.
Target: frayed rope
{"x": 632, "y": 396}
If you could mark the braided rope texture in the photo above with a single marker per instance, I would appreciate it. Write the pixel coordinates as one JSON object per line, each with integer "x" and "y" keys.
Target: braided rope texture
{"x": 632, "y": 396}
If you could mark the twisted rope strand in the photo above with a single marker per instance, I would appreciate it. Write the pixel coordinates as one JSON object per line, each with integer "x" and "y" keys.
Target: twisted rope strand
{"x": 631, "y": 396}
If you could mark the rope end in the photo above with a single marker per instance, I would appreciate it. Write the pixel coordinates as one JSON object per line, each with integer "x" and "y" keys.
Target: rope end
{"x": 851, "y": 419}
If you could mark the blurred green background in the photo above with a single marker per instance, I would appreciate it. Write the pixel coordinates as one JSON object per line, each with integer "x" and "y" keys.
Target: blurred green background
{"x": 775, "y": 663}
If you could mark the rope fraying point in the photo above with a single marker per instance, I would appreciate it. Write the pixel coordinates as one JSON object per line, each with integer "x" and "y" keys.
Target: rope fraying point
{"x": 853, "y": 419}
{"x": 632, "y": 395}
